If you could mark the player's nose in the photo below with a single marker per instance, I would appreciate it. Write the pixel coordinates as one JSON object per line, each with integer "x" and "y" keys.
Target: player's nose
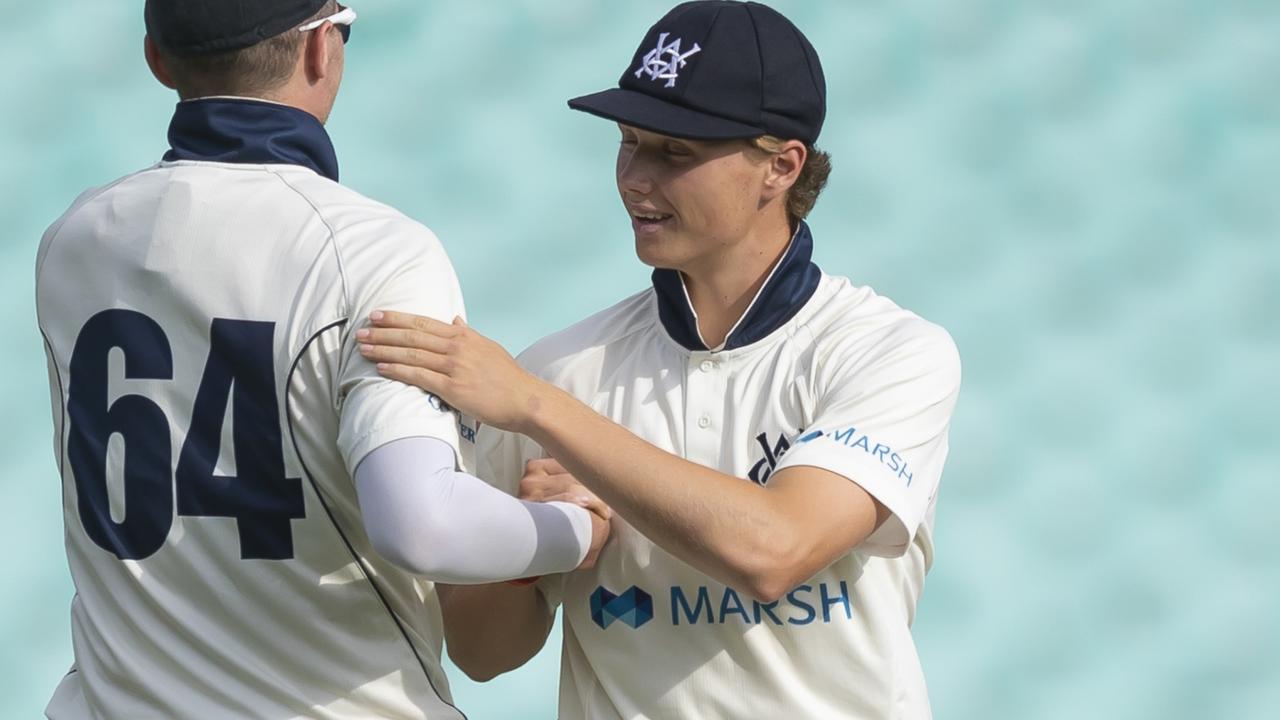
{"x": 634, "y": 174}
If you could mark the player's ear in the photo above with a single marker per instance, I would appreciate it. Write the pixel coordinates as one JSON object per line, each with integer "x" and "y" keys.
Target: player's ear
{"x": 155, "y": 61}
{"x": 784, "y": 168}
{"x": 319, "y": 52}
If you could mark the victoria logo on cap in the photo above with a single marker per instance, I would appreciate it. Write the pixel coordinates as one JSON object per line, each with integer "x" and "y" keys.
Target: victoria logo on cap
{"x": 750, "y": 73}
{"x": 664, "y": 61}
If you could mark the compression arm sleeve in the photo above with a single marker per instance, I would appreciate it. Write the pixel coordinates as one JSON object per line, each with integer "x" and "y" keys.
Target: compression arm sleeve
{"x": 431, "y": 520}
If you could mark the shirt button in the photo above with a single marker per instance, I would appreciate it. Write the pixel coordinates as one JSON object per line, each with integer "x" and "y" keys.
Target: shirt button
{"x": 707, "y": 366}
{"x": 704, "y": 422}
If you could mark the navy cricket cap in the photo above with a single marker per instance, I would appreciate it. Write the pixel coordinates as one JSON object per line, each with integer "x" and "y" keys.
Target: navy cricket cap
{"x": 719, "y": 70}
{"x": 203, "y": 27}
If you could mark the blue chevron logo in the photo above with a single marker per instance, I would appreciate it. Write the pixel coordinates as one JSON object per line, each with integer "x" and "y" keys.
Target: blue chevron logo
{"x": 634, "y": 607}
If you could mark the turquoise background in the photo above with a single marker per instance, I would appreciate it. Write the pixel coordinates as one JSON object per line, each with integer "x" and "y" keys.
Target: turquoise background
{"x": 1086, "y": 193}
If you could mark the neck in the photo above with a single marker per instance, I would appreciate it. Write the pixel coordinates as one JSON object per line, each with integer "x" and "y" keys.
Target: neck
{"x": 290, "y": 94}
{"x": 309, "y": 102}
{"x": 721, "y": 292}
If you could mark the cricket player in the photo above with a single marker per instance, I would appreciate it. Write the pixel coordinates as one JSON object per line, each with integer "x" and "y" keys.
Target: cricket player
{"x": 770, "y": 437}
{"x": 252, "y": 513}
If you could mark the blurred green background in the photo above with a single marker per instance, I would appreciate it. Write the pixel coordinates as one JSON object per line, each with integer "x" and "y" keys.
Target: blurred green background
{"x": 1086, "y": 193}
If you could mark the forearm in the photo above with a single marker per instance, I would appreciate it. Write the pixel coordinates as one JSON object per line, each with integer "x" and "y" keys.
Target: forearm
{"x": 493, "y": 629}
{"x": 717, "y": 523}
{"x": 451, "y": 527}
{"x": 733, "y": 530}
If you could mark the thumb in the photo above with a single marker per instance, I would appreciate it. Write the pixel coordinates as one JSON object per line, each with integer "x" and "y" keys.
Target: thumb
{"x": 459, "y": 321}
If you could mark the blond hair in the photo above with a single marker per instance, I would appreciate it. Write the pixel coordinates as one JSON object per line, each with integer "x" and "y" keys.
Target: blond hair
{"x": 813, "y": 176}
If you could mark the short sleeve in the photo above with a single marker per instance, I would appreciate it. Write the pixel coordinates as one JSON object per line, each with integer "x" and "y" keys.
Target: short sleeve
{"x": 399, "y": 267}
{"x": 500, "y": 461}
{"x": 882, "y": 418}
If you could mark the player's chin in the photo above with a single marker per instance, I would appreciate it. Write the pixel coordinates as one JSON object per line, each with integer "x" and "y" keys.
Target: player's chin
{"x": 658, "y": 252}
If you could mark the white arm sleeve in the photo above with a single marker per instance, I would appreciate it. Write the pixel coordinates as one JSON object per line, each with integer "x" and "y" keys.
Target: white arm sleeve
{"x": 450, "y": 527}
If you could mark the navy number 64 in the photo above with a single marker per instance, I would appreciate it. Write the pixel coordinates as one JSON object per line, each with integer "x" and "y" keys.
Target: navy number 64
{"x": 260, "y": 497}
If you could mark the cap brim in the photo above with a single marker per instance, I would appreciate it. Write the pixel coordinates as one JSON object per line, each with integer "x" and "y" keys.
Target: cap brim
{"x": 656, "y": 115}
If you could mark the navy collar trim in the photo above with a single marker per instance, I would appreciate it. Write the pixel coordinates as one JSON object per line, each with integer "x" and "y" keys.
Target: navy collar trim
{"x": 790, "y": 285}
{"x": 253, "y": 132}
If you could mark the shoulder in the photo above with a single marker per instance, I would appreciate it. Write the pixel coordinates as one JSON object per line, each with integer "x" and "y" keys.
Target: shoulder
{"x": 856, "y": 328}
{"x": 558, "y": 353}
{"x": 373, "y": 243}
{"x": 86, "y": 199}
{"x": 77, "y": 208}
{"x": 355, "y": 219}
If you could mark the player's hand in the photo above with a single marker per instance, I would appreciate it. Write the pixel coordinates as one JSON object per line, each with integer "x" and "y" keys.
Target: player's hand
{"x": 466, "y": 369}
{"x": 545, "y": 480}
{"x": 599, "y": 536}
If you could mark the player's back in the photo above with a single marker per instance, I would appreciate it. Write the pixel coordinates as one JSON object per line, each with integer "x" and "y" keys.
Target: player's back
{"x": 198, "y": 319}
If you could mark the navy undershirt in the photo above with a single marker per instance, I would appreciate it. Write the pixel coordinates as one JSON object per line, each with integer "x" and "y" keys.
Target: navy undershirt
{"x": 254, "y": 132}
{"x": 794, "y": 281}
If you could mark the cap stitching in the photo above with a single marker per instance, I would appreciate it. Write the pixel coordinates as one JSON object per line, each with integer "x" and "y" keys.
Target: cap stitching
{"x": 710, "y": 28}
{"x": 755, "y": 30}
{"x": 808, "y": 50}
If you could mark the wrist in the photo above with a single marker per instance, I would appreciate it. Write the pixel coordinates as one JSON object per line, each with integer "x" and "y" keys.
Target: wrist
{"x": 535, "y": 410}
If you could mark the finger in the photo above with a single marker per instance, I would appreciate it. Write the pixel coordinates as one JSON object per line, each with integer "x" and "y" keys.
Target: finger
{"x": 552, "y": 484}
{"x": 432, "y": 382}
{"x": 550, "y": 466}
{"x": 394, "y": 319}
{"x": 580, "y": 496}
{"x": 590, "y": 502}
{"x": 458, "y": 321}
{"x": 407, "y": 356}
{"x": 531, "y": 489}
{"x": 536, "y": 486}
{"x": 398, "y": 337}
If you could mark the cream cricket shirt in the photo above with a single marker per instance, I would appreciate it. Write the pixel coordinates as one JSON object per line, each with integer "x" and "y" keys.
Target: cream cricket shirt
{"x": 210, "y": 405}
{"x": 818, "y": 372}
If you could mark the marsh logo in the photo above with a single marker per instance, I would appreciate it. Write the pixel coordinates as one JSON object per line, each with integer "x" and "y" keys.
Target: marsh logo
{"x": 852, "y": 439}
{"x": 824, "y": 602}
{"x": 633, "y": 608}
{"x": 665, "y": 61}
{"x": 821, "y": 603}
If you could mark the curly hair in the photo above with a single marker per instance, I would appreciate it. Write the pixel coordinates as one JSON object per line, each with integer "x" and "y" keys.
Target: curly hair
{"x": 813, "y": 177}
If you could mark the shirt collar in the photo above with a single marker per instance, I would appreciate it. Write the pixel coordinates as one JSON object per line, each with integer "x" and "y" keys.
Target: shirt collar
{"x": 789, "y": 286}
{"x": 256, "y": 132}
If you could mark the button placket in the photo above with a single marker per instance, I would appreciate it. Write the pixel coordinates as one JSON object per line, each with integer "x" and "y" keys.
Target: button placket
{"x": 705, "y": 383}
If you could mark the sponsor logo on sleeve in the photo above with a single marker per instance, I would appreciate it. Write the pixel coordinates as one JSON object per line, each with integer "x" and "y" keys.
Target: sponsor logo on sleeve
{"x": 467, "y": 431}
{"x": 851, "y": 438}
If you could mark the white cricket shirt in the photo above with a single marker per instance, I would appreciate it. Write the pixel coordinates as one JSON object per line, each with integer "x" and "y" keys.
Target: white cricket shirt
{"x": 819, "y": 373}
{"x": 210, "y": 406}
